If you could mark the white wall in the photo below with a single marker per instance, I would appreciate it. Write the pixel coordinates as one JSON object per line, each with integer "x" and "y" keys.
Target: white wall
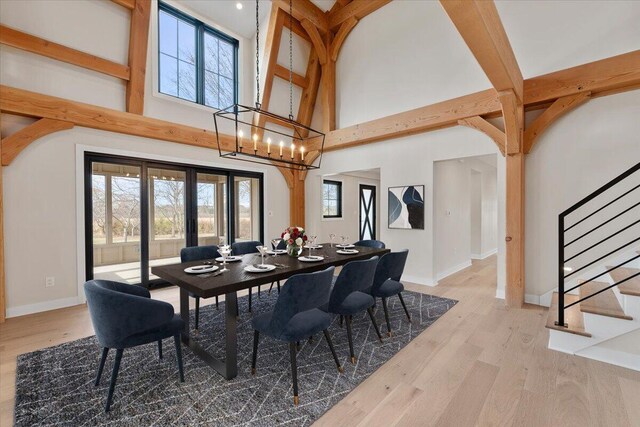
{"x": 43, "y": 233}
{"x": 475, "y": 213}
{"x": 349, "y": 224}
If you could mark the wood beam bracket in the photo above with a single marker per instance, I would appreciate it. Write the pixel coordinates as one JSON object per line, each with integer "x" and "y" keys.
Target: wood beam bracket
{"x": 480, "y": 124}
{"x": 14, "y": 144}
{"x": 558, "y": 109}
{"x": 513, "y": 114}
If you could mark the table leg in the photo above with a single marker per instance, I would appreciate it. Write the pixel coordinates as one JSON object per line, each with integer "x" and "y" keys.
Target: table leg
{"x": 229, "y": 367}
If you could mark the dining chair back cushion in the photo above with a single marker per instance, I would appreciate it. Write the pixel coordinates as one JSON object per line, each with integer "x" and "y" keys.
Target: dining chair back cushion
{"x": 125, "y": 316}
{"x": 296, "y": 315}
{"x": 349, "y": 294}
{"x": 242, "y": 248}
{"x": 371, "y": 244}
{"x": 198, "y": 253}
{"x": 390, "y": 266}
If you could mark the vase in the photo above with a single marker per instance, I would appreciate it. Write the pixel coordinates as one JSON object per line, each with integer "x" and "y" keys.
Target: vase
{"x": 294, "y": 250}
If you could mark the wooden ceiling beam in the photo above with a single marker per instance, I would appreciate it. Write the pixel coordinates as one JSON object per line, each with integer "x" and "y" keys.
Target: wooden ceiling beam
{"x": 138, "y": 44}
{"x": 341, "y": 36}
{"x": 316, "y": 39}
{"x": 310, "y": 93}
{"x": 129, "y": 4}
{"x": 39, "y": 46}
{"x": 558, "y": 109}
{"x": 305, "y": 9}
{"x": 479, "y": 25}
{"x": 609, "y": 75}
{"x": 14, "y": 144}
{"x": 513, "y": 115}
{"x": 283, "y": 73}
{"x": 357, "y": 9}
{"x": 296, "y": 27}
{"x": 31, "y": 104}
{"x": 480, "y": 124}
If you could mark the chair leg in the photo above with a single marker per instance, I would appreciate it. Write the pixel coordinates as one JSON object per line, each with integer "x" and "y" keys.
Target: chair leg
{"x": 254, "y": 358}
{"x": 278, "y": 287}
{"x": 176, "y": 339}
{"x": 386, "y": 316}
{"x": 404, "y": 306}
{"x": 333, "y": 350}
{"x": 237, "y": 308}
{"x": 271, "y": 287}
{"x": 250, "y": 292}
{"x": 197, "y": 312}
{"x": 160, "y": 349}
{"x": 310, "y": 339}
{"x": 350, "y": 338}
{"x": 294, "y": 372}
{"x": 217, "y": 306}
{"x": 297, "y": 345}
{"x": 341, "y": 320}
{"x": 103, "y": 359}
{"x": 114, "y": 377}
{"x": 375, "y": 324}
{"x": 258, "y": 291}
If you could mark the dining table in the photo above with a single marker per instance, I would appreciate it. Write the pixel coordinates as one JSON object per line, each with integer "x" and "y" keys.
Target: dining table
{"x": 237, "y": 279}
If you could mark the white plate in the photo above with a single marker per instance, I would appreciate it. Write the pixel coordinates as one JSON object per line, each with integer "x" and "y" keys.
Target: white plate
{"x": 277, "y": 252}
{"x": 200, "y": 269}
{"x": 311, "y": 258}
{"x": 349, "y": 246}
{"x": 232, "y": 258}
{"x": 347, "y": 251}
{"x": 313, "y": 247}
{"x": 252, "y": 269}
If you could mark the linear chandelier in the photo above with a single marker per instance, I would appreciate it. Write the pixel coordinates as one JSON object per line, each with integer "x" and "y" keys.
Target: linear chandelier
{"x": 267, "y": 138}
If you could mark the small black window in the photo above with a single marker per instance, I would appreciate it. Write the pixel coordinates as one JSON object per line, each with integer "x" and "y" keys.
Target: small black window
{"x": 331, "y": 199}
{"x": 196, "y": 62}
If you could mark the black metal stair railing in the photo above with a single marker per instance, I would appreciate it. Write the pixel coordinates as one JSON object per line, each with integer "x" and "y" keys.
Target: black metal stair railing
{"x": 562, "y": 246}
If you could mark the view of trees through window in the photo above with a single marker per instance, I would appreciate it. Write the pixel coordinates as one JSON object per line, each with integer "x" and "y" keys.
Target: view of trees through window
{"x": 181, "y": 61}
{"x": 168, "y": 204}
{"x": 331, "y": 199}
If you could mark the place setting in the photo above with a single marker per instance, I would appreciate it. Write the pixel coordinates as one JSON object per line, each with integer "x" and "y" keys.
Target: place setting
{"x": 262, "y": 267}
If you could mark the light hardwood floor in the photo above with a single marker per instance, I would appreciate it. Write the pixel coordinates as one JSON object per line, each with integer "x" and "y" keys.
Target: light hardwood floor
{"x": 480, "y": 364}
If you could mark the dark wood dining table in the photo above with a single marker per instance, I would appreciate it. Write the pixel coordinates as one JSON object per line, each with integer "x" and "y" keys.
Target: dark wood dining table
{"x": 237, "y": 279}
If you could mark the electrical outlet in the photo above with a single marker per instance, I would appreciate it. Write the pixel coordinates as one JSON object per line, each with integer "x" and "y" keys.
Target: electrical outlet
{"x": 49, "y": 282}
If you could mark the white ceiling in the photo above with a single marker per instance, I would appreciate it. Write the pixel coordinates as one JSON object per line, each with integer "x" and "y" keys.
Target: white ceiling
{"x": 547, "y": 36}
{"x": 226, "y": 14}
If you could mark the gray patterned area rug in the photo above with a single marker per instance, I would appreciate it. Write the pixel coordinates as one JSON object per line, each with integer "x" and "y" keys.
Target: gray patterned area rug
{"x": 54, "y": 386}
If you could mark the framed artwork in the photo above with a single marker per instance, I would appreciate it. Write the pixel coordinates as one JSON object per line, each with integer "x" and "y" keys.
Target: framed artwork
{"x": 406, "y": 207}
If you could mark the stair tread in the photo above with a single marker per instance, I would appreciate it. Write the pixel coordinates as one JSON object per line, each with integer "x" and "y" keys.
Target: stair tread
{"x": 572, "y": 316}
{"x": 630, "y": 287}
{"x": 604, "y": 304}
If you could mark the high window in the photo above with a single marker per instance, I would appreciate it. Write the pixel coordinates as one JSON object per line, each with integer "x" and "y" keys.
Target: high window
{"x": 196, "y": 62}
{"x": 331, "y": 199}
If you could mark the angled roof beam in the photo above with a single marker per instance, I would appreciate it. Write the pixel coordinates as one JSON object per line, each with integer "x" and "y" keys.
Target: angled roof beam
{"x": 357, "y": 9}
{"x": 305, "y": 9}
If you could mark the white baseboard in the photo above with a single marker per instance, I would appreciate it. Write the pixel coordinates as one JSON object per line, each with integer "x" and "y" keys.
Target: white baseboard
{"x": 500, "y": 293}
{"x": 453, "y": 270}
{"x": 484, "y": 255}
{"x": 614, "y": 357}
{"x": 417, "y": 280}
{"x": 23, "y": 310}
{"x": 528, "y": 298}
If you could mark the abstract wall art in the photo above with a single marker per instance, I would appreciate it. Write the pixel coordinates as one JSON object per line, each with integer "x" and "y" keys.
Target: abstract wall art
{"x": 406, "y": 207}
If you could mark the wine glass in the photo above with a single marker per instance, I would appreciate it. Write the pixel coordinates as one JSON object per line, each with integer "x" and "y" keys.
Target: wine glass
{"x": 224, "y": 251}
{"x": 331, "y": 238}
{"x": 313, "y": 239}
{"x": 344, "y": 240}
{"x": 263, "y": 251}
{"x": 275, "y": 243}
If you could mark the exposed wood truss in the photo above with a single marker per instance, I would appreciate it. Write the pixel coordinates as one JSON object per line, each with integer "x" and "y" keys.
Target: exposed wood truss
{"x": 357, "y": 9}
{"x": 341, "y": 36}
{"x": 559, "y": 108}
{"x": 480, "y": 124}
{"x": 3, "y": 302}
{"x": 129, "y": 4}
{"x": 14, "y": 144}
{"x": 37, "y": 45}
{"x": 138, "y": 40}
{"x": 513, "y": 114}
{"x": 305, "y": 9}
{"x": 479, "y": 25}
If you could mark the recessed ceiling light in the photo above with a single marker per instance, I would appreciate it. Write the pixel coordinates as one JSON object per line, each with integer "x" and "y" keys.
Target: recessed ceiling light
{"x": 239, "y": 6}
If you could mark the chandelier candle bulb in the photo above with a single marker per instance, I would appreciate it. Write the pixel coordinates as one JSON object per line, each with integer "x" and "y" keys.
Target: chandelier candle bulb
{"x": 240, "y": 135}
{"x": 293, "y": 148}
{"x": 255, "y": 142}
{"x": 268, "y": 145}
{"x": 302, "y": 153}
{"x": 281, "y": 145}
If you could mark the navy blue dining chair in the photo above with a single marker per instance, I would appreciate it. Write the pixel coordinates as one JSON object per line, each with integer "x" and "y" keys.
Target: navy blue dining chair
{"x": 199, "y": 253}
{"x": 281, "y": 245}
{"x": 297, "y": 316}
{"x": 125, "y": 316}
{"x": 349, "y": 295}
{"x": 243, "y": 248}
{"x": 377, "y": 244}
{"x": 386, "y": 282}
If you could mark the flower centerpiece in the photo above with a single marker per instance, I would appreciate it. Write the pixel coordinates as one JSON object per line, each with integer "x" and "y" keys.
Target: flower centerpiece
{"x": 295, "y": 238}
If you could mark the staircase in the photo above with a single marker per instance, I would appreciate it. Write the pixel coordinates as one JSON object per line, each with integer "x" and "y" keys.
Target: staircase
{"x": 596, "y": 311}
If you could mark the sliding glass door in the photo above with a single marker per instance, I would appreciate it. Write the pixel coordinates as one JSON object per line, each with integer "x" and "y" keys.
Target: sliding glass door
{"x": 140, "y": 214}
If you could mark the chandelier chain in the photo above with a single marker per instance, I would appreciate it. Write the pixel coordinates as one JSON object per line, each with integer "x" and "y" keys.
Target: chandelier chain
{"x": 257, "y": 53}
{"x": 290, "y": 59}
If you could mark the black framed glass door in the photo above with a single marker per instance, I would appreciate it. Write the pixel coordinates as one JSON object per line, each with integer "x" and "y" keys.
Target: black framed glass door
{"x": 140, "y": 214}
{"x": 367, "y": 212}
